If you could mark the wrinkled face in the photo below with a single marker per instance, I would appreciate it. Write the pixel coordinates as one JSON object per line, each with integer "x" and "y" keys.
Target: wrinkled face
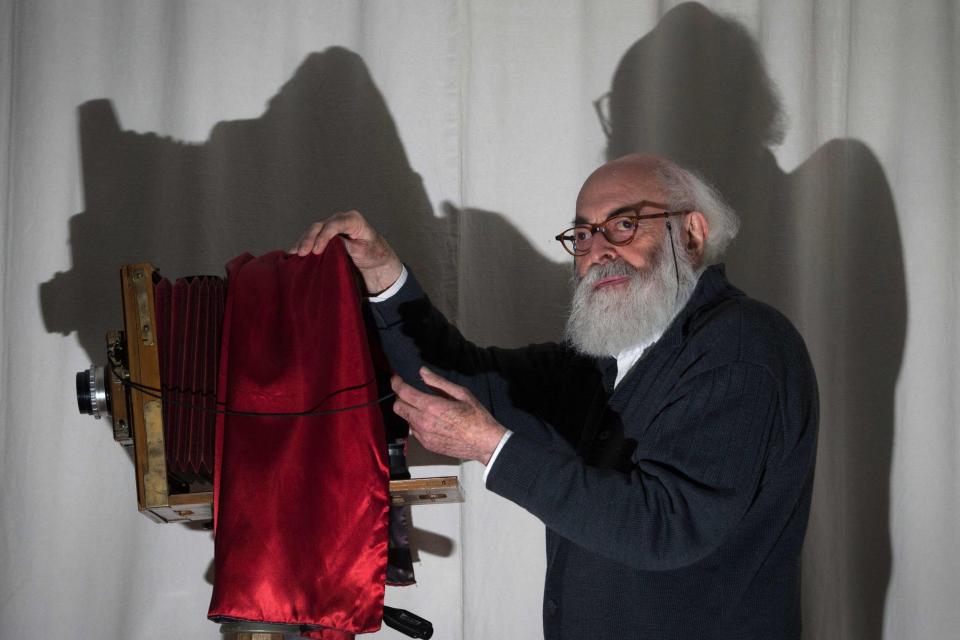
{"x": 626, "y": 294}
{"x": 607, "y": 194}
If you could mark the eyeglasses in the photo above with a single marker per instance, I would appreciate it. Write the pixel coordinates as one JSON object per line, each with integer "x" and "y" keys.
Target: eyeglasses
{"x": 618, "y": 230}
{"x": 602, "y": 106}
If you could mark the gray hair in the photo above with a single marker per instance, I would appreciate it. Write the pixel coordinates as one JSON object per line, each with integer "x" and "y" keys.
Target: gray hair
{"x": 684, "y": 189}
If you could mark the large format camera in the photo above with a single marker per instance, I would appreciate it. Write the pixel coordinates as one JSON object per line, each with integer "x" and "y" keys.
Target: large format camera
{"x": 159, "y": 390}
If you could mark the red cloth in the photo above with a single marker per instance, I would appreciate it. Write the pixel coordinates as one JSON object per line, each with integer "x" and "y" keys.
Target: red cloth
{"x": 301, "y": 503}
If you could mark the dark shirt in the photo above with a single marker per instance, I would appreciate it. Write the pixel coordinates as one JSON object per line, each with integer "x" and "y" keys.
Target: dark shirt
{"x": 675, "y": 504}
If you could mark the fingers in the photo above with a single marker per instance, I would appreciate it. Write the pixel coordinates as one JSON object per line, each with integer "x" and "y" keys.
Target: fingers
{"x": 439, "y": 382}
{"x": 453, "y": 426}
{"x": 428, "y": 415}
{"x": 407, "y": 412}
{"x": 305, "y": 242}
{"x": 402, "y": 405}
{"x": 371, "y": 254}
{"x": 421, "y": 400}
{"x": 416, "y": 408}
{"x": 410, "y": 395}
{"x": 319, "y": 234}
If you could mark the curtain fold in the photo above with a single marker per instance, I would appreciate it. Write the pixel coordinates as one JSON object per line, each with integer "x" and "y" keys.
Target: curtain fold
{"x": 187, "y": 133}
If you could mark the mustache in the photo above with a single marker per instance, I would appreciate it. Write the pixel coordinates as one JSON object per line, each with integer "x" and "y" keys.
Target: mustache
{"x": 606, "y": 270}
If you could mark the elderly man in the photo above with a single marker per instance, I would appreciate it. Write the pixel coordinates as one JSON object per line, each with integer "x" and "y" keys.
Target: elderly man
{"x": 667, "y": 444}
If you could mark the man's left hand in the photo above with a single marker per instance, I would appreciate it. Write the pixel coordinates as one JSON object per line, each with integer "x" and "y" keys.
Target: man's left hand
{"x": 453, "y": 423}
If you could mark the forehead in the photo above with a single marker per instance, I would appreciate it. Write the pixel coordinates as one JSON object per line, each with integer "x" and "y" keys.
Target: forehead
{"x": 605, "y": 194}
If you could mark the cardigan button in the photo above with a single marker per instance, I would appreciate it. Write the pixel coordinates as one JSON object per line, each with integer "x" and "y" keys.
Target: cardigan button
{"x": 604, "y": 435}
{"x": 551, "y": 607}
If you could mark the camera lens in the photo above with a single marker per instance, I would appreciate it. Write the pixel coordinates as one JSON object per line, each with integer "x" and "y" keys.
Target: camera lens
{"x": 93, "y": 394}
{"x": 83, "y": 392}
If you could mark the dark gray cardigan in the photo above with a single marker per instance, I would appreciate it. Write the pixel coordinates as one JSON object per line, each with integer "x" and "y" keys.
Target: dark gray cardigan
{"x": 675, "y": 505}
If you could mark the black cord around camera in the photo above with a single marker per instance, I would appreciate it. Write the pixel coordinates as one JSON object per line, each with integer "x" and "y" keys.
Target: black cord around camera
{"x": 153, "y": 392}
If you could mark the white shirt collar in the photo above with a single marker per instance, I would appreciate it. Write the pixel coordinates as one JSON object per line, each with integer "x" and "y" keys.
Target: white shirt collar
{"x": 628, "y": 357}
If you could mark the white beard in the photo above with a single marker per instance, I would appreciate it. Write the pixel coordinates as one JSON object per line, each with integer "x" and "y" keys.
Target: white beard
{"x": 610, "y": 320}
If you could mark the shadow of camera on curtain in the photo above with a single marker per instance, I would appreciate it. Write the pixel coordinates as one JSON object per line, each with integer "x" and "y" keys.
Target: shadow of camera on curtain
{"x": 326, "y": 142}
{"x": 822, "y": 245}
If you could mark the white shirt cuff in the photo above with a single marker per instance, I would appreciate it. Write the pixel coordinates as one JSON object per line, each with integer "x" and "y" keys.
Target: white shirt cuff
{"x": 496, "y": 452}
{"x": 391, "y": 291}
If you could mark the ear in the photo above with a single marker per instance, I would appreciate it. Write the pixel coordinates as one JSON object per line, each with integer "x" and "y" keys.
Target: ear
{"x": 696, "y": 229}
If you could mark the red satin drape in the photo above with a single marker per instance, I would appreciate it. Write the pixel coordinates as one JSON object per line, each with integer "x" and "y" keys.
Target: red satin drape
{"x": 301, "y": 504}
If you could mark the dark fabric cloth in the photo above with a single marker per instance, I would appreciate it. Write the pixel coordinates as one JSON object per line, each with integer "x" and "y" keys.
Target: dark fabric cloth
{"x": 676, "y": 504}
{"x": 300, "y": 502}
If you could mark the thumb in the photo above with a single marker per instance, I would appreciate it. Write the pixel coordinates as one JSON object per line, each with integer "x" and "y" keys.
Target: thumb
{"x": 439, "y": 382}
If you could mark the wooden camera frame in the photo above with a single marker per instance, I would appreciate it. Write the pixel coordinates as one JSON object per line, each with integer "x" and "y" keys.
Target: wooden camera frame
{"x": 137, "y": 416}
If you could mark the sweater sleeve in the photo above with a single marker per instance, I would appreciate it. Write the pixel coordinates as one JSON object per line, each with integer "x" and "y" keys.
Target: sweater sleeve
{"x": 513, "y": 384}
{"x": 689, "y": 484}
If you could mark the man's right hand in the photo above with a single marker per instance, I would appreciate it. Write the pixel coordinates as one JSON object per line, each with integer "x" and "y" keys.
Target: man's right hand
{"x": 373, "y": 257}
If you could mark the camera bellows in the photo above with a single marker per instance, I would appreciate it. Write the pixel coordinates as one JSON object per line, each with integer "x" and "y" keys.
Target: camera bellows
{"x": 189, "y": 325}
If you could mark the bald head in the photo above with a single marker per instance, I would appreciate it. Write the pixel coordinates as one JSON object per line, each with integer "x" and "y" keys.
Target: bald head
{"x": 633, "y": 185}
{"x": 666, "y": 186}
{"x": 631, "y": 178}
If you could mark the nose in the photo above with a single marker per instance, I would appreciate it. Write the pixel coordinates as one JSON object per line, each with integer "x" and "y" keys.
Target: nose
{"x": 601, "y": 252}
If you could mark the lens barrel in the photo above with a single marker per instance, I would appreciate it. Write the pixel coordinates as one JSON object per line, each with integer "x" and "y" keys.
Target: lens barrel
{"x": 83, "y": 393}
{"x": 93, "y": 394}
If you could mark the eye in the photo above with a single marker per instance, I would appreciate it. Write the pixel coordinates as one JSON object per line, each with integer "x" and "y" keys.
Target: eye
{"x": 581, "y": 234}
{"x": 623, "y": 224}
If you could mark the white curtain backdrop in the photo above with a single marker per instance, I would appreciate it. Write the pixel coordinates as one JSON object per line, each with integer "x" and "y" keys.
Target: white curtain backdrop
{"x": 184, "y": 133}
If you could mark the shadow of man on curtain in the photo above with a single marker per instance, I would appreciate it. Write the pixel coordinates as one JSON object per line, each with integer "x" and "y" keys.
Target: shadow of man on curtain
{"x": 821, "y": 244}
{"x": 325, "y": 143}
